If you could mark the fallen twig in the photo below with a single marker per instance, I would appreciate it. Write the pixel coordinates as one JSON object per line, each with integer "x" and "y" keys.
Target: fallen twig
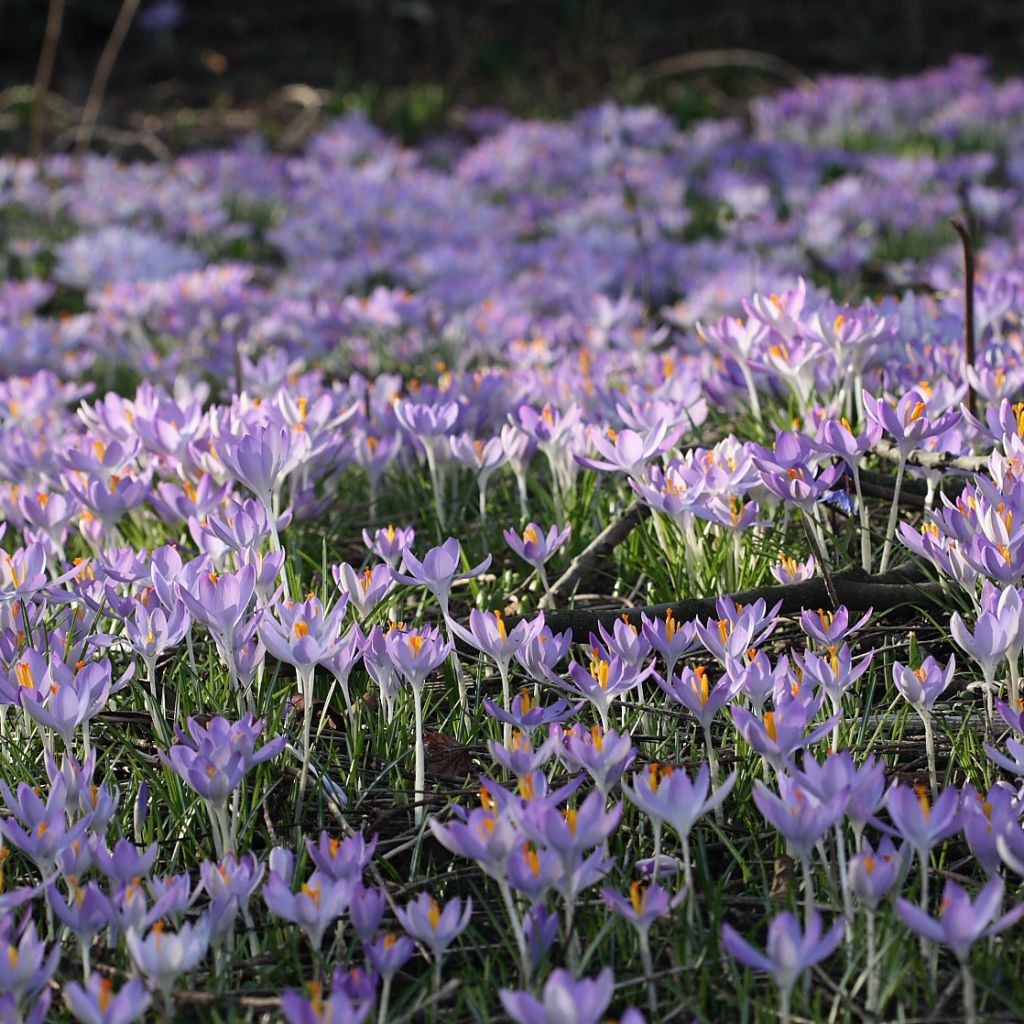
{"x": 933, "y": 460}
{"x": 903, "y": 585}
{"x": 607, "y": 540}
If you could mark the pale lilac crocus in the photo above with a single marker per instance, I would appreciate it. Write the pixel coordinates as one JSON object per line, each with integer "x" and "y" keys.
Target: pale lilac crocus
{"x": 164, "y": 955}
{"x": 922, "y": 687}
{"x": 645, "y": 905}
{"x": 988, "y": 645}
{"x": 790, "y": 952}
{"x": 961, "y": 922}
{"x": 417, "y": 653}
{"x": 563, "y": 1000}
{"x": 99, "y": 1003}
{"x": 436, "y": 927}
{"x": 923, "y": 823}
{"x": 535, "y": 548}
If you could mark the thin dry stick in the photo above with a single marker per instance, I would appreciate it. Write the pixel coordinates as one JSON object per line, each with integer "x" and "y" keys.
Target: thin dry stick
{"x": 44, "y": 73}
{"x": 94, "y": 102}
{"x": 932, "y": 460}
{"x": 902, "y": 586}
{"x": 607, "y": 540}
{"x": 968, "y": 243}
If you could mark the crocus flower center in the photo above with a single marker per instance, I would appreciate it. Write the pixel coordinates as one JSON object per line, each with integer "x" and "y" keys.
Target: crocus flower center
{"x": 700, "y": 684}
{"x": 599, "y": 670}
{"x": 638, "y": 897}
{"x": 723, "y": 629}
{"x": 104, "y": 996}
{"x": 434, "y": 914}
{"x": 532, "y": 860}
{"x": 570, "y": 819}
{"x": 598, "y": 738}
{"x": 501, "y": 627}
{"x": 526, "y": 704}
{"x": 769, "y": 726}
{"x": 671, "y": 626}
{"x": 300, "y": 629}
{"x": 415, "y": 643}
{"x": 313, "y": 892}
{"x": 527, "y": 787}
{"x": 869, "y": 865}
{"x": 24, "y": 675}
{"x": 390, "y": 939}
{"x": 922, "y": 798}
{"x": 530, "y": 536}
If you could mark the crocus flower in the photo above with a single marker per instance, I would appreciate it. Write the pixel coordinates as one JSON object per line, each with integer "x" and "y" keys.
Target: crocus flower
{"x": 671, "y": 639}
{"x": 961, "y": 922}
{"x": 425, "y": 921}
{"x": 341, "y": 858}
{"x": 922, "y": 823}
{"x": 563, "y": 1000}
{"x": 98, "y": 1003}
{"x": 319, "y": 902}
{"x": 985, "y": 818}
{"x": 604, "y": 756}
{"x": 873, "y": 873}
{"x": 163, "y": 956}
{"x": 987, "y": 645}
{"x": 526, "y": 714}
{"x": 40, "y": 830}
{"x": 782, "y": 732}
{"x": 646, "y": 903}
{"x": 366, "y": 910}
{"x": 797, "y": 814}
{"x": 438, "y": 571}
{"x": 364, "y": 590}
{"x": 789, "y": 953}
{"x": 338, "y": 1008}
{"x": 389, "y": 544}
{"x": 388, "y": 955}
{"x": 789, "y": 570}
{"x": 25, "y": 965}
{"x": 605, "y": 680}
{"x": 534, "y": 546}
{"x": 666, "y": 795}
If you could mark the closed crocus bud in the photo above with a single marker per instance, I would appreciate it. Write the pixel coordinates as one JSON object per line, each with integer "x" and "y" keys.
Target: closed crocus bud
{"x": 366, "y": 910}
{"x": 141, "y": 810}
{"x": 163, "y": 956}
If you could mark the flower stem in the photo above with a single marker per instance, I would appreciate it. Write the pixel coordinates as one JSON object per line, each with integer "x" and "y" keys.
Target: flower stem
{"x": 970, "y": 993}
{"x": 420, "y": 777}
{"x": 517, "y": 930}
{"x": 648, "y": 966}
{"x": 894, "y": 511}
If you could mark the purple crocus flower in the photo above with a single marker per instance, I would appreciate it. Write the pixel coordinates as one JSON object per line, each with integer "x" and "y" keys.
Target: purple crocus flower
{"x": 907, "y": 421}
{"x": 366, "y": 910}
{"x": 645, "y": 905}
{"x": 604, "y": 756}
{"x": 25, "y": 965}
{"x": 830, "y": 628}
{"x": 262, "y": 459}
{"x": 921, "y": 822}
{"x": 986, "y": 818}
{"x": 626, "y": 451}
{"x": 339, "y": 1008}
{"x": 671, "y": 639}
{"x": 563, "y": 1000}
{"x": 873, "y": 873}
{"x": 541, "y": 928}
{"x": 797, "y": 814}
{"x": 436, "y": 927}
{"x": 319, "y": 902}
{"x": 163, "y": 956}
{"x": 534, "y": 546}
{"x": 39, "y": 829}
{"x": 98, "y": 1003}
{"x": 389, "y": 544}
{"x": 782, "y": 732}
{"x": 213, "y": 759}
{"x": 525, "y": 714}
{"x": 789, "y": 952}
{"x": 961, "y": 922}
{"x": 438, "y": 571}
{"x": 604, "y": 681}
{"x": 923, "y": 686}
{"x": 988, "y": 645}
{"x": 341, "y": 858}
{"x": 389, "y": 954}
{"x": 88, "y": 912}
{"x": 364, "y": 591}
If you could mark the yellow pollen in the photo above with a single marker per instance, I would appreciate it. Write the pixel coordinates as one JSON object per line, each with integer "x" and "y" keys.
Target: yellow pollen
{"x": 300, "y": 629}
{"x": 434, "y": 914}
{"x": 570, "y": 819}
{"x": 532, "y": 860}
{"x": 922, "y": 797}
{"x": 769, "y": 726}
{"x": 638, "y": 897}
{"x": 415, "y": 643}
